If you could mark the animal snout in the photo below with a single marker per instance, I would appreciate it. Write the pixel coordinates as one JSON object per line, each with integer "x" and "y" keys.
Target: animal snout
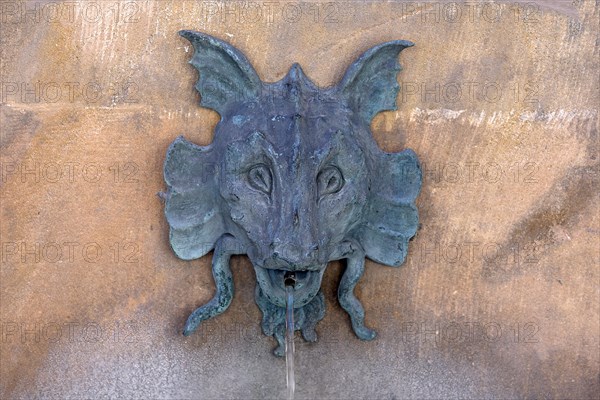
{"x": 292, "y": 256}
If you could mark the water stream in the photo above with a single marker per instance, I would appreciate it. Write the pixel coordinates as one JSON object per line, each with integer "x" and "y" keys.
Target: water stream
{"x": 289, "y": 342}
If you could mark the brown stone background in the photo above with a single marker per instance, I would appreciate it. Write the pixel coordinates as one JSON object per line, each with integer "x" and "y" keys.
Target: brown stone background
{"x": 498, "y": 297}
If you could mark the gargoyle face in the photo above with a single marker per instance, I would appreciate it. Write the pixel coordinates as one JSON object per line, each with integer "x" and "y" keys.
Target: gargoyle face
{"x": 295, "y": 184}
{"x": 293, "y": 179}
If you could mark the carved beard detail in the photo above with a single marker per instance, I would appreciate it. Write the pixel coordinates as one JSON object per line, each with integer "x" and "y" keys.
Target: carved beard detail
{"x": 305, "y": 319}
{"x": 294, "y": 180}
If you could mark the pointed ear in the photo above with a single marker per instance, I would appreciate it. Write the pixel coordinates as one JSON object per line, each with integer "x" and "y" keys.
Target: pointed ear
{"x": 391, "y": 218}
{"x": 226, "y": 75}
{"x": 191, "y": 207}
{"x": 369, "y": 85}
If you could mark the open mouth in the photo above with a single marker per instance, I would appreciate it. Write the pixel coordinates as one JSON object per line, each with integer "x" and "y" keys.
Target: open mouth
{"x": 306, "y": 284}
{"x": 297, "y": 279}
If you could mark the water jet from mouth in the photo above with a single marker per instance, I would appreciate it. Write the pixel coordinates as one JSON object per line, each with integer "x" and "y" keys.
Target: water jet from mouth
{"x": 289, "y": 280}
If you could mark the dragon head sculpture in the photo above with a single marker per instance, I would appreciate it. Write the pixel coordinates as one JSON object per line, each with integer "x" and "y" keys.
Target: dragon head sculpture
{"x": 294, "y": 180}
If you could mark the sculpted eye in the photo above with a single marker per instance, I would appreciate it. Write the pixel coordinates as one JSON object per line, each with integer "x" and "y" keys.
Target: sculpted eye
{"x": 259, "y": 177}
{"x": 329, "y": 180}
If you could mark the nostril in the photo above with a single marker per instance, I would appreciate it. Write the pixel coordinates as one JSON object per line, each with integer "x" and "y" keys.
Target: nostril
{"x": 313, "y": 251}
{"x": 275, "y": 255}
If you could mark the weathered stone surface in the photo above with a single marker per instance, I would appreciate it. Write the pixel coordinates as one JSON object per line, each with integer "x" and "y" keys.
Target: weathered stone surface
{"x": 498, "y": 296}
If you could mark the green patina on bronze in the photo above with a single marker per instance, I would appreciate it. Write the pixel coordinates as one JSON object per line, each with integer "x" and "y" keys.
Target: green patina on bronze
{"x": 294, "y": 180}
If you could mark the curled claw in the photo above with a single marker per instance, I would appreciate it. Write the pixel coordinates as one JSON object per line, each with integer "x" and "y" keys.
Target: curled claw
{"x": 313, "y": 313}
{"x": 279, "y": 335}
{"x": 354, "y": 271}
{"x": 309, "y": 334}
{"x": 224, "y": 283}
{"x": 364, "y": 333}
